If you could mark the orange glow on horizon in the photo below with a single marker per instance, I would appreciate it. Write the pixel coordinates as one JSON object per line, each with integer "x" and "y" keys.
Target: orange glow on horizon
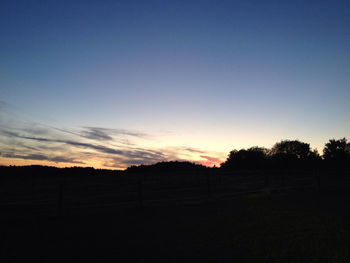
{"x": 95, "y": 163}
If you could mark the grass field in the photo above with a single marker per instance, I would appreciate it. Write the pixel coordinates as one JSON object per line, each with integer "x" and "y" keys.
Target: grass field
{"x": 258, "y": 228}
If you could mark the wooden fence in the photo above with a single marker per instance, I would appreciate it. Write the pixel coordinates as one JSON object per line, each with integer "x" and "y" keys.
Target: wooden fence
{"x": 69, "y": 196}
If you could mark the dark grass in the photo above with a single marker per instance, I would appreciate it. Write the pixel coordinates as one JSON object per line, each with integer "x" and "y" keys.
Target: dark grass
{"x": 261, "y": 228}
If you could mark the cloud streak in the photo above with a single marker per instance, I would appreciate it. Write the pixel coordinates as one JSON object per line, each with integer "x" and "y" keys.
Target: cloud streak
{"x": 106, "y": 134}
{"x": 114, "y": 158}
{"x": 96, "y": 134}
{"x": 21, "y": 138}
{"x": 41, "y": 157}
{"x": 99, "y": 148}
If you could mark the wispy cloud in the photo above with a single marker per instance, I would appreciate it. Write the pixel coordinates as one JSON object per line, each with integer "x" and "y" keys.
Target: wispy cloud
{"x": 105, "y": 134}
{"x": 99, "y": 148}
{"x": 98, "y": 133}
{"x": 193, "y": 150}
{"x": 212, "y": 159}
{"x": 21, "y": 138}
{"x": 118, "y": 158}
{"x": 41, "y": 157}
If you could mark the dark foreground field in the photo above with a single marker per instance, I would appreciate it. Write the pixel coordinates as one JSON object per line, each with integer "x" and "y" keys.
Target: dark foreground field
{"x": 303, "y": 227}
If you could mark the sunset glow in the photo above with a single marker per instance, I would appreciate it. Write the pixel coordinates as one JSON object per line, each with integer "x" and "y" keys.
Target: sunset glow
{"x": 127, "y": 83}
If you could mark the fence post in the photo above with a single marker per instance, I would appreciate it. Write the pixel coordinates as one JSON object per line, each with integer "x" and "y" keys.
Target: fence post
{"x": 32, "y": 187}
{"x": 60, "y": 200}
{"x": 318, "y": 180}
{"x": 209, "y": 186}
{"x": 267, "y": 182}
{"x": 140, "y": 192}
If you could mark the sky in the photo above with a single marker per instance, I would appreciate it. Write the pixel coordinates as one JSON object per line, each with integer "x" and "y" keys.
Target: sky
{"x": 111, "y": 84}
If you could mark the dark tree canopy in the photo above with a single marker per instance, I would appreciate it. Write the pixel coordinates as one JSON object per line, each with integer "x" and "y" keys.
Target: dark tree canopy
{"x": 162, "y": 167}
{"x": 293, "y": 153}
{"x": 254, "y": 157}
{"x": 287, "y": 153}
{"x": 337, "y": 150}
{"x": 295, "y": 149}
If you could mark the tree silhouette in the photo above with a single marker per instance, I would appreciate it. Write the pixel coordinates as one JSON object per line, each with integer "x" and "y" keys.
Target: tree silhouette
{"x": 337, "y": 151}
{"x": 293, "y": 153}
{"x": 296, "y": 149}
{"x": 252, "y": 158}
{"x": 163, "y": 167}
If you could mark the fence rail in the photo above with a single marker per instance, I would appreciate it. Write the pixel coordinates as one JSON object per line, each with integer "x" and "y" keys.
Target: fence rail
{"x": 60, "y": 197}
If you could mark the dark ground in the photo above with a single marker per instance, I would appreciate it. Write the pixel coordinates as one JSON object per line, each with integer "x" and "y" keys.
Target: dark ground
{"x": 298, "y": 227}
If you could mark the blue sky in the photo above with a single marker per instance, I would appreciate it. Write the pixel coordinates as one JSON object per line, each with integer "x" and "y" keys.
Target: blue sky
{"x": 204, "y": 76}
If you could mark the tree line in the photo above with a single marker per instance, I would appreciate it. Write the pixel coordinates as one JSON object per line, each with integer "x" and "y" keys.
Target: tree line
{"x": 290, "y": 154}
